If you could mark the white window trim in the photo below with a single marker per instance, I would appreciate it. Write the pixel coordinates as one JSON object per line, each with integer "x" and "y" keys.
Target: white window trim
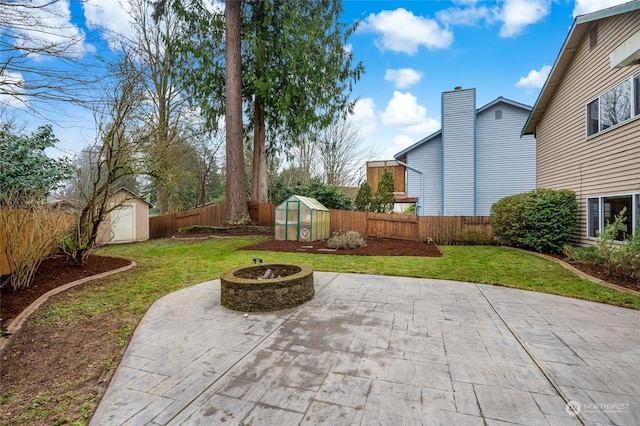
{"x": 634, "y": 212}
{"x": 635, "y": 115}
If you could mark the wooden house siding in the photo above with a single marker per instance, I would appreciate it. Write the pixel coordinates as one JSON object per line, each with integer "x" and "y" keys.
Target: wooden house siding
{"x": 605, "y": 163}
{"x": 458, "y": 145}
{"x": 505, "y": 162}
{"x": 428, "y": 185}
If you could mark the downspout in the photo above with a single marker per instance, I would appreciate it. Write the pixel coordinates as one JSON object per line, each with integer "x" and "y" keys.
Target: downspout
{"x": 418, "y": 205}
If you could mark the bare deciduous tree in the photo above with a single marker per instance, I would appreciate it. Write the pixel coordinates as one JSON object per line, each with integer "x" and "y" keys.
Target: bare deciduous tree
{"x": 342, "y": 155}
{"x": 113, "y": 158}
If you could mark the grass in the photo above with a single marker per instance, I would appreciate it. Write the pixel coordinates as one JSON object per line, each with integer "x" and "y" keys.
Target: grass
{"x": 168, "y": 265}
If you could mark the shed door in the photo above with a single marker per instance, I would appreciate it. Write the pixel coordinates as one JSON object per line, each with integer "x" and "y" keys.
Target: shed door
{"x": 122, "y": 223}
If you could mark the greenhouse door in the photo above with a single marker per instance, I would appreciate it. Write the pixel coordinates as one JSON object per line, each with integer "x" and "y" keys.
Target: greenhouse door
{"x": 292, "y": 227}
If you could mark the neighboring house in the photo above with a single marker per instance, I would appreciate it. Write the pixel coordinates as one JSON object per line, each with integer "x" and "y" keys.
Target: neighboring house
{"x": 477, "y": 158}
{"x": 586, "y": 119}
{"x": 128, "y": 222}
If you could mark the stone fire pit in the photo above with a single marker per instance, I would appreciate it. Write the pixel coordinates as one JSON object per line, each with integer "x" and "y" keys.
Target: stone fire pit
{"x": 267, "y": 287}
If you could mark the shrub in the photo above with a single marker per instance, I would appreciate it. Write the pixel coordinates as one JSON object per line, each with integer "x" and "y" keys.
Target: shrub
{"x": 589, "y": 255}
{"x": 474, "y": 237}
{"x": 508, "y": 221}
{"x": 347, "y": 240}
{"x": 328, "y": 196}
{"x": 623, "y": 259}
{"x": 542, "y": 220}
{"x": 384, "y": 199}
{"x": 605, "y": 241}
{"x": 363, "y": 199}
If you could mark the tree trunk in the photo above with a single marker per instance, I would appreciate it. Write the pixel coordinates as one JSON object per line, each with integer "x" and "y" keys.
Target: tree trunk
{"x": 259, "y": 175}
{"x": 237, "y": 210}
{"x": 163, "y": 199}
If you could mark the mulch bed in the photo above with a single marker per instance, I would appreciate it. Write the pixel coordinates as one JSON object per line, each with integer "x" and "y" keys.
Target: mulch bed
{"x": 374, "y": 247}
{"x": 52, "y": 273}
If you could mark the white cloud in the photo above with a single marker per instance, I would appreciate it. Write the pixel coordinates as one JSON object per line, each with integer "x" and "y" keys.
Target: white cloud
{"x": 402, "y": 31}
{"x": 403, "y": 77}
{"x": 465, "y": 16}
{"x": 403, "y": 112}
{"x": 364, "y": 117}
{"x": 114, "y": 17}
{"x": 401, "y": 142}
{"x": 517, "y": 14}
{"x": 348, "y": 48}
{"x": 11, "y": 88}
{"x": 587, "y": 6}
{"x": 43, "y": 25}
{"x": 535, "y": 79}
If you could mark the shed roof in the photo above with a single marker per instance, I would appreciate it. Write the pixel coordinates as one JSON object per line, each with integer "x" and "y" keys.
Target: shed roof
{"x": 134, "y": 195}
{"x": 581, "y": 24}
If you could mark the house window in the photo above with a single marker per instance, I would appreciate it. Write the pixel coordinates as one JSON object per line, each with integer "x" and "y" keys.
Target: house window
{"x": 602, "y": 211}
{"x": 498, "y": 114}
{"x": 615, "y": 106}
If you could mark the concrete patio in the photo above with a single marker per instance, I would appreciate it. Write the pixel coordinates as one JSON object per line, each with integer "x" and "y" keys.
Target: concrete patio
{"x": 377, "y": 350}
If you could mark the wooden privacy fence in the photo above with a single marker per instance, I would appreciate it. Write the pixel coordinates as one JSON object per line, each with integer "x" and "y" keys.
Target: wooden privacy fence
{"x": 439, "y": 229}
{"x": 168, "y": 224}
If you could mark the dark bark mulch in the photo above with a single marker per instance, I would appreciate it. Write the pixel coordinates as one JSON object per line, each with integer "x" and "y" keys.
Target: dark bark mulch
{"x": 52, "y": 273}
{"x": 374, "y": 247}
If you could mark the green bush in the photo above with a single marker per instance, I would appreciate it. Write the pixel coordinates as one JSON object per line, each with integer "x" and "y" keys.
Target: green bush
{"x": 363, "y": 199}
{"x": 328, "y": 196}
{"x": 474, "y": 237}
{"x": 542, "y": 220}
{"x": 347, "y": 240}
{"x": 617, "y": 258}
{"x": 589, "y": 255}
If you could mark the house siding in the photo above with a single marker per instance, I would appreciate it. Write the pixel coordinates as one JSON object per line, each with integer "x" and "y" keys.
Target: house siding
{"x": 606, "y": 163}
{"x": 458, "y": 146}
{"x": 505, "y": 162}
{"x": 428, "y": 159}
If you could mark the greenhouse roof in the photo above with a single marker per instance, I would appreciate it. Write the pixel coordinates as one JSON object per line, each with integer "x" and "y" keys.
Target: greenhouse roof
{"x": 312, "y": 203}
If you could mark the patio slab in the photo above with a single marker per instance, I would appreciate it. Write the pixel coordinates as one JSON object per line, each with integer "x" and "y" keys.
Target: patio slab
{"x": 377, "y": 350}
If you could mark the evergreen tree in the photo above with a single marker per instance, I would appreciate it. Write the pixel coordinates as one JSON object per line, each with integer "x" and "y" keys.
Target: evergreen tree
{"x": 363, "y": 199}
{"x": 296, "y": 73}
{"x": 384, "y": 194}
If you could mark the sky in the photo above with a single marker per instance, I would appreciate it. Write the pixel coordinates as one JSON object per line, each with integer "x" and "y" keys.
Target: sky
{"x": 412, "y": 51}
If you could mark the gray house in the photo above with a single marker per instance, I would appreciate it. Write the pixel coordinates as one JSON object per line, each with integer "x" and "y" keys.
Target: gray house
{"x": 477, "y": 157}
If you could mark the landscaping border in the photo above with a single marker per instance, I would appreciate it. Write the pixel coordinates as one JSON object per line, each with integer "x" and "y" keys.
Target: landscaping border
{"x": 19, "y": 321}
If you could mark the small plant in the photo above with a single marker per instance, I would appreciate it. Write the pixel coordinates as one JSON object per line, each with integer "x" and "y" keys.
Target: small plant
{"x": 347, "y": 240}
{"x": 605, "y": 240}
{"x": 588, "y": 255}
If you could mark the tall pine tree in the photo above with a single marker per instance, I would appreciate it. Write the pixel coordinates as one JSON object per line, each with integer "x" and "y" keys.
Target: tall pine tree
{"x": 295, "y": 68}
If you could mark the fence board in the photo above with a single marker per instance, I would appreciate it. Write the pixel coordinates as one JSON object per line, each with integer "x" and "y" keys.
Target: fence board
{"x": 345, "y": 220}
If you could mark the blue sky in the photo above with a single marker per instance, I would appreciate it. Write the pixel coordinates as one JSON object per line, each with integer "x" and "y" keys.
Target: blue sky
{"x": 412, "y": 52}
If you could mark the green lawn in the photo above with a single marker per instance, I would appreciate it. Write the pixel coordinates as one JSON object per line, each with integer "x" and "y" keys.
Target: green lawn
{"x": 167, "y": 265}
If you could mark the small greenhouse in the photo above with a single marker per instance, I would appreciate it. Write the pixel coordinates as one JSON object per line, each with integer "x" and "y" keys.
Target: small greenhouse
{"x": 301, "y": 218}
